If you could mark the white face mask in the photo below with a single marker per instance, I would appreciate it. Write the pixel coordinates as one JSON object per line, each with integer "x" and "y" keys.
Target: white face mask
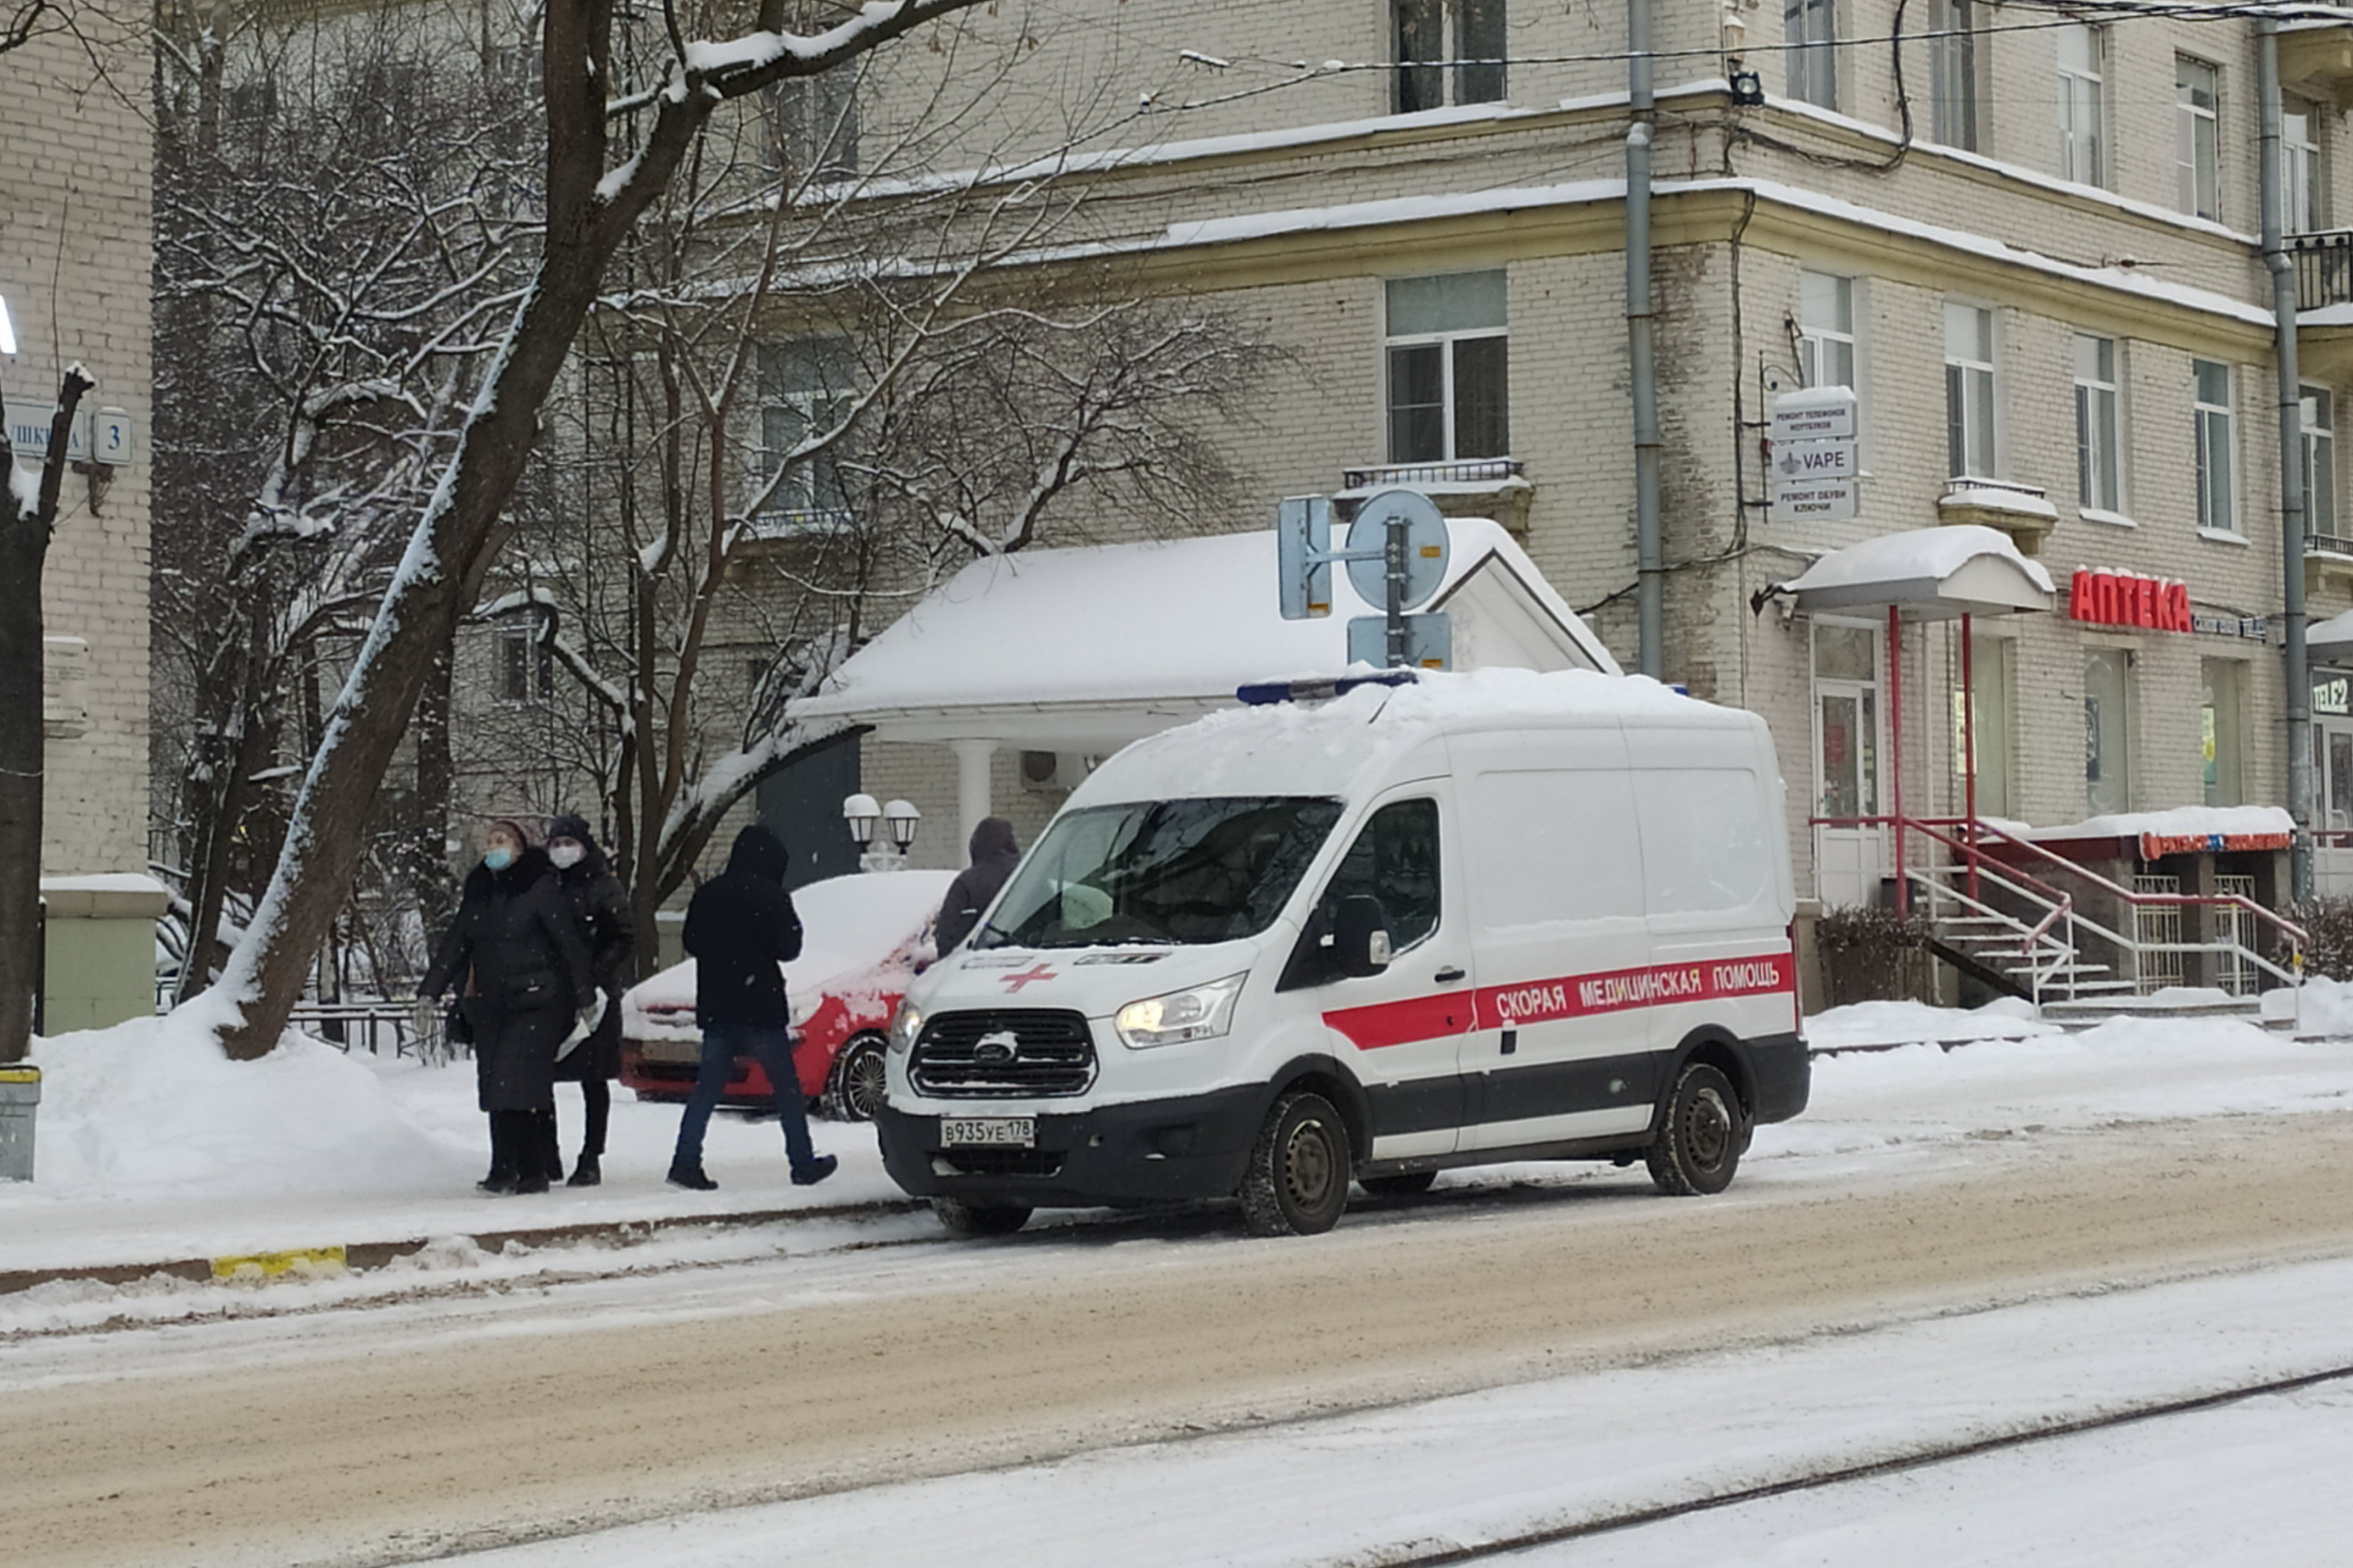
{"x": 565, "y": 856}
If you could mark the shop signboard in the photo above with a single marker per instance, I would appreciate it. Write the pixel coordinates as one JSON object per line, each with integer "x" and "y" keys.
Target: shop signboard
{"x": 2128, "y": 599}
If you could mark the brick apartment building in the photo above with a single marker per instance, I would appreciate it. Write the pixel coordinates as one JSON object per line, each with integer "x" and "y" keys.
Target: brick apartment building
{"x": 75, "y": 258}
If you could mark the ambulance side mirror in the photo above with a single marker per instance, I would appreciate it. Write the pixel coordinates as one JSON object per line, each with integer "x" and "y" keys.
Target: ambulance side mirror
{"x": 1360, "y": 938}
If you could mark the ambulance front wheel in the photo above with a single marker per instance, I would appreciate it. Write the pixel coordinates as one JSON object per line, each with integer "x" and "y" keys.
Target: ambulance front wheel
{"x": 1699, "y": 1142}
{"x": 1297, "y": 1180}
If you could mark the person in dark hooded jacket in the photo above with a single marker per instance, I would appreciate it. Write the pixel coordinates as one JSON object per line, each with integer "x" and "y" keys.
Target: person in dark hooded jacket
{"x": 515, "y": 956}
{"x": 602, "y": 907}
{"x": 740, "y": 930}
{"x": 994, "y": 856}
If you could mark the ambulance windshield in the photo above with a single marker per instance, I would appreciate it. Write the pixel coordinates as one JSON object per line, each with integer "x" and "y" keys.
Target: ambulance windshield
{"x": 1163, "y": 872}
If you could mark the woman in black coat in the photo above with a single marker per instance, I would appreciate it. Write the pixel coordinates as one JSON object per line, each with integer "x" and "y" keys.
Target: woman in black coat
{"x": 602, "y": 908}
{"x": 515, "y": 955}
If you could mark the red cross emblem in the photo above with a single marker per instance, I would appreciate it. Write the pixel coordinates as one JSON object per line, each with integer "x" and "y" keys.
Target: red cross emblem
{"x": 1036, "y": 972}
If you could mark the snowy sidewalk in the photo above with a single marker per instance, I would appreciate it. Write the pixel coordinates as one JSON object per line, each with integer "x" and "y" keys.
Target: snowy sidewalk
{"x": 156, "y": 1153}
{"x": 154, "y": 1150}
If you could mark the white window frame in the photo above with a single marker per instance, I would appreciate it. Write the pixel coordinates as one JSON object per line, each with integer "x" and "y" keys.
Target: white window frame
{"x": 519, "y": 644}
{"x": 1957, "y": 112}
{"x": 2197, "y": 139}
{"x": 1455, "y": 83}
{"x": 2303, "y": 181}
{"x": 2082, "y": 106}
{"x": 1979, "y": 453}
{"x": 1446, "y": 342}
{"x": 2316, "y": 428}
{"x": 2099, "y": 413}
{"x": 2216, "y": 447}
{"x": 1815, "y": 337}
{"x": 1811, "y": 30}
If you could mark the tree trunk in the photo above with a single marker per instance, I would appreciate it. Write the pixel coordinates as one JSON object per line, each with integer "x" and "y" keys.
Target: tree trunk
{"x": 24, "y": 550}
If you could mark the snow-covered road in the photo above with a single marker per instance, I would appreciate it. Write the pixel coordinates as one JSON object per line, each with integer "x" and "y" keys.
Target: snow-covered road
{"x": 1949, "y": 1246}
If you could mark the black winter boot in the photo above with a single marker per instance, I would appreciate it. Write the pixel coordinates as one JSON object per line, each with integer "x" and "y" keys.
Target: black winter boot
{"x": 585, "y": 1171}
{"x": 501, "y": 1178}
{"x": 693, "y": 1178}
{"x": 551, "y": 1153}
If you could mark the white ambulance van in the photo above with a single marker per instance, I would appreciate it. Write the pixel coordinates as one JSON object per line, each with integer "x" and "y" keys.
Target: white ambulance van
{"x": 1451, "y": 921}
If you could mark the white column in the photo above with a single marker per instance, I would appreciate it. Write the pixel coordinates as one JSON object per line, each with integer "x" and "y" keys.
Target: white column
{"x": 971, "y": 786}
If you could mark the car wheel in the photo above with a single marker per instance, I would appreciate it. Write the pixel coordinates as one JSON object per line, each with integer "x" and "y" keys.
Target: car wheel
{"x": 1297, "y": 1180}
{"x": 962, "y": 1218}
{"x": 1406, "y": 1185}
{"x": 859, "y": 1076}
{"x": 1699, "y": 1143}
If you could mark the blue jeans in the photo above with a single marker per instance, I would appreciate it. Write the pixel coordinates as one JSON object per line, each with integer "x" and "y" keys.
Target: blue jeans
{"x": 722, "y": 1044}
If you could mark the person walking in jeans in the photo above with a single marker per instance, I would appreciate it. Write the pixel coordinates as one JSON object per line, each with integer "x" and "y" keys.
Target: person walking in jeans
{"x": 740, "y": 930}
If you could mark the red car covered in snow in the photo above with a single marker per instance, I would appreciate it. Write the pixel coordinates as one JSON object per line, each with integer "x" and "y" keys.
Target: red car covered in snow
{"x": 863, "y": 939}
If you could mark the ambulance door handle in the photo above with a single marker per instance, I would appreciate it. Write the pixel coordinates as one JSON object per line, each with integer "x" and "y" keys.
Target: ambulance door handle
{"x": 1448, "y": 976}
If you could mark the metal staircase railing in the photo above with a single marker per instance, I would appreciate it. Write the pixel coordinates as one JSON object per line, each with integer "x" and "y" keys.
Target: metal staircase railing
{"x": 2017, "y": 925}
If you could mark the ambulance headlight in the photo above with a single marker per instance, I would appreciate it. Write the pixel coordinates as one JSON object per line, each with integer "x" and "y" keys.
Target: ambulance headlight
{"x": 905, "y": 1025}
{"x": 1199, "y": 1013}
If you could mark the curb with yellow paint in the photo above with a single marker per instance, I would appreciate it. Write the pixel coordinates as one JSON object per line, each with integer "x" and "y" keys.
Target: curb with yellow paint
{"x": 307, "y": 1261}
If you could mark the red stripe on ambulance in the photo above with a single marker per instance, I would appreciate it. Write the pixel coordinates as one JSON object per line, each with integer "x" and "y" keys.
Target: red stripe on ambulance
{"x": 1569, "y": 997}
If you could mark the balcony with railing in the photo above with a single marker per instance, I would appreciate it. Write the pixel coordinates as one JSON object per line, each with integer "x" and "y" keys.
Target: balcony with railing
{"x": 2022, "y": 511}
{"x": 2324, "y": 268}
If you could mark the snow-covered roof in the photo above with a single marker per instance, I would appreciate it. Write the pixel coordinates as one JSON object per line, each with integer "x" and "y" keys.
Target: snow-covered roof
{"x": 1929, "y": 574}
{"x": 2331, "y": 639}
{"x": 1355, "y": 741}
{"x": 1088, "y": 649}
{"x": 2184, "y": 828}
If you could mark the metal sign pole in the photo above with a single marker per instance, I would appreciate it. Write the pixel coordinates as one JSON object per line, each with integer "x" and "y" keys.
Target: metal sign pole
{"x": 1393, "y": 556}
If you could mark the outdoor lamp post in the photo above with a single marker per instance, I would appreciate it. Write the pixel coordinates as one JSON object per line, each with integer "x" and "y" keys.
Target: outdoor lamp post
{"x": 902, "y": 817}
{"x": 861, "y": 812}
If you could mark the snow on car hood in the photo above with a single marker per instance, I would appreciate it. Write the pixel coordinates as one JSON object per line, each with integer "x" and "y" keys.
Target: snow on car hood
{"x": 850, "y": 926}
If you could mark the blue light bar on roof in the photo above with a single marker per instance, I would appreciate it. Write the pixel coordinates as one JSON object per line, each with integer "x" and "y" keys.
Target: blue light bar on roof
{"x": 1318, "y": 688}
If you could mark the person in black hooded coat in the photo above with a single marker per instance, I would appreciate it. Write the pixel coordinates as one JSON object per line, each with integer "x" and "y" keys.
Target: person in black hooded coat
{"x": 515, "y": 955}
{"x": 995, "y": 853}
{"x": 602, "y": 907}
{"x": 740, "y": 930}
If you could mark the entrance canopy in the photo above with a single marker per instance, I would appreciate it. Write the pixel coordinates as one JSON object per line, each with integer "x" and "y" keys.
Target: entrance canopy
{"x": 1927, "y": 575}
{"x": 2330, "y": 641}
{"x": 1085, "y": 650}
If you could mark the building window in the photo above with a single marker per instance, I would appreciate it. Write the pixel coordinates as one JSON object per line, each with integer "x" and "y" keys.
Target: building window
{"x": 2082, "y": 157}
{"x": 2197, "y": 137}
{"x": 1826, "y": 342}
{"x": 1811, "y": 30}
{"x": 1449, "y": 369}
{"x": 1968, "y": 390}
{"x": 2217, "y": 712}
{"x": 1953, "y": 69}
{"x": 1449, "y": 51}
{"x": 813, "y": 125}
{"x": 2304, "y": 191}
{"x": 805, "y": 390}
{"x": 2099, "y": 482}
{"x": 2318, "y": 409}
{"x": 2216, "y": 494}
{"x": 528, "y": 666}
{"x": 2108, "y": 731}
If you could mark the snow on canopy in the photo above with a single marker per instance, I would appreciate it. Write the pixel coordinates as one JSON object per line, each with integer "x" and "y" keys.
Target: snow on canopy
{"x": 1929, "y": 572}
{"x": 851, "y": 925}
{"x": 2180, "y": 822}
{"x": 1329, "y": 748}
{"x": 1173, "y": 627}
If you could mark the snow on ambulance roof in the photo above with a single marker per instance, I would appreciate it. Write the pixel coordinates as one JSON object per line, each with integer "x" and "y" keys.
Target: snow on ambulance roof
{"x": 849, "y": 925}
{"x": 1327, "y": 748}
{"x": 1186, "y": 618}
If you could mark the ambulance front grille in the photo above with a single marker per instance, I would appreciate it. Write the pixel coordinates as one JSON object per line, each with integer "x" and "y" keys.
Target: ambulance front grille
{"x": 1003, "y": 1053}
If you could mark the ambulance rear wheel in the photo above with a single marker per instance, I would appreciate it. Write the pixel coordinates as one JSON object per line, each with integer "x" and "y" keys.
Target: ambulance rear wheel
{"x": 1699, "y": 1143}
{"x": 961, "y": 1218}
{"x": 1297, "y": 1180}
{"x": 1407, "y": 1184}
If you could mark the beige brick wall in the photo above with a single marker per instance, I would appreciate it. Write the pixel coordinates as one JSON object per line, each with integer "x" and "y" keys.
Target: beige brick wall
{"x": 76, "y": 253}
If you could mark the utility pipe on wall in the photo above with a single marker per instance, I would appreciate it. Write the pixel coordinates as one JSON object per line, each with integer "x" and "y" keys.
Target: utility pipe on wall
{"x": 1650, "y": 555}
{"x": 2297, "y": 674}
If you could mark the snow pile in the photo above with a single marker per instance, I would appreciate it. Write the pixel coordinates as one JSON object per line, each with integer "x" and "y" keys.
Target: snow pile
{"x": 2325, "y": 1007}
{"x": 1862, "y": 1026}
{"x": 154, "y": 1106}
